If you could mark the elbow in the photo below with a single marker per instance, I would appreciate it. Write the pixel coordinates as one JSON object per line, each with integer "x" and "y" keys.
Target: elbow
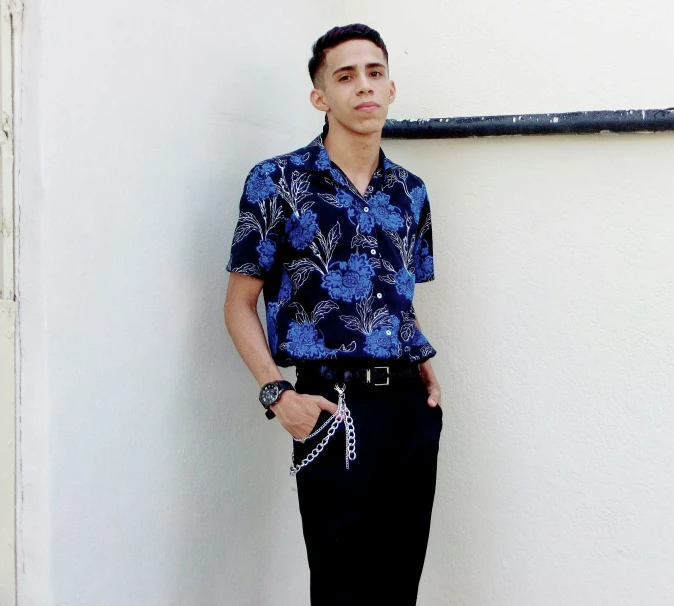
{"x": 240, "y": 301}
{"x": 229, "y": 313}
{"x": 235, "y": 311}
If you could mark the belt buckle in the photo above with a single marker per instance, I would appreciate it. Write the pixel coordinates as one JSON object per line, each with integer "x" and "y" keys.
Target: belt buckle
{"x": 388, "y": 375}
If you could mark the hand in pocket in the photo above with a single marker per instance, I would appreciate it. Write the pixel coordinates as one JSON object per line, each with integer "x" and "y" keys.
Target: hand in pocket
{"x": 301, "y": 413}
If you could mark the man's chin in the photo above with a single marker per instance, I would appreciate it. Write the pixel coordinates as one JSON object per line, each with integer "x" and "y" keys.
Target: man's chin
{"x": 369, "y": 127}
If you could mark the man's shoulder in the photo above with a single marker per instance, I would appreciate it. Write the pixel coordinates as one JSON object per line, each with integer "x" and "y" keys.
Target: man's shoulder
{"x": 298, "y": 159}
{"x": 403, "y": 173}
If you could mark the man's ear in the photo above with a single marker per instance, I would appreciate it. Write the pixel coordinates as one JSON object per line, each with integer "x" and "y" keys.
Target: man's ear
{"x": 317, "y": 98}
{"x": 391, "y": 92}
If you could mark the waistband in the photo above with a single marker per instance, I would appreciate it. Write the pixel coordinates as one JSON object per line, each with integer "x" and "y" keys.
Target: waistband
{"x": 381, "y": 375}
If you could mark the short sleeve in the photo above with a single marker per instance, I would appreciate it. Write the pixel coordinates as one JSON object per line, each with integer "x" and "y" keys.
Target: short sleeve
{"x": 423, "y": 246}
{"x": 260, "y": 226}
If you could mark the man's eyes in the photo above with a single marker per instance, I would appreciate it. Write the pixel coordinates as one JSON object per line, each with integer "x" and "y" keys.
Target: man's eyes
{"x": 374, "y": 74}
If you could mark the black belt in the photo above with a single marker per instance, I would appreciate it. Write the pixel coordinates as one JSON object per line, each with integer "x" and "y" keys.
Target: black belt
{"x": 373, "y": 375}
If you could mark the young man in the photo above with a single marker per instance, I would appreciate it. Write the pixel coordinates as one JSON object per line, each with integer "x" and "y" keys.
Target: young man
{"x": 336, "y": 235}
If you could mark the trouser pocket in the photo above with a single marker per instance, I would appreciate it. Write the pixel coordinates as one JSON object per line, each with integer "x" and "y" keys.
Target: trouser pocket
{"x": 323, "y": 416}
{"x": 306, "y": 451}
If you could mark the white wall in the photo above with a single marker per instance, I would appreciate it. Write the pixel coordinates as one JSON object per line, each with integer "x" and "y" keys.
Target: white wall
{"x": 148, "y": 475}
{"x": 7, "y": 318}
{"x": 553, "y": 319}
{"x": 482, "y": 57}
{"x": 552, "y": 311}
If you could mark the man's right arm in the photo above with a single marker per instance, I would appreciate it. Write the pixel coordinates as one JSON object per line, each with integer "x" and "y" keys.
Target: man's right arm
{"x": 296, "y": 412}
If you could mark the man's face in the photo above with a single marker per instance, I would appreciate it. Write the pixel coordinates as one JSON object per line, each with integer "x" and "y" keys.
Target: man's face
{"x": 355, "y": 88}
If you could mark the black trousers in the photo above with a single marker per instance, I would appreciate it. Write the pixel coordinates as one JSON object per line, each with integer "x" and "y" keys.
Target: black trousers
{"x": 366, "y": 527}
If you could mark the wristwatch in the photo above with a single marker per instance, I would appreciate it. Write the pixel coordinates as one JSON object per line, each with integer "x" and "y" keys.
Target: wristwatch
{"x": 270, "y": 394}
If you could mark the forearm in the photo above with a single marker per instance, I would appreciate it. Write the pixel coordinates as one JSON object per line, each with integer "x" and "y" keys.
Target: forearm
{"x": 245, "y": 328}
{"x": 296, "y": 412}
{"x": 427, "y": 372}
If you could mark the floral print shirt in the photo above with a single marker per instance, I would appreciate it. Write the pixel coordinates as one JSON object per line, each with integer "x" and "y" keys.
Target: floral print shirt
{"x": 339, "y": 268}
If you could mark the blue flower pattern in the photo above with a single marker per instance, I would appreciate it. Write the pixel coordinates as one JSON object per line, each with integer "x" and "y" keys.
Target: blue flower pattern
{"x": 338, "y": 176}
{"x": 272, "y": 328}
{"x": 267, "y": 252}
{"x": 418, "y": 195}
{"x": 426, "y": 269}
{"x": 351, "y": 280}
{"x": 423, "y": 262}
{"x": 323, "y": 160}
{"x": 305, "y": 342}
{"x": 301, "y": 229}
{"x": 321, "y": 245}
{"x": 376, "y": 211}
{"x": 405, "y": 283}
{"x": 286, "y": 289}
{"x": 384, "y": 342}
{"x": 260, "y": 185}
{"x": 345, "y": 199}
{"x": 385, "y": 214}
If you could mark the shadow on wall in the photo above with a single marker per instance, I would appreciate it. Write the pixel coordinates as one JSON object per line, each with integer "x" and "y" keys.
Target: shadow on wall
{"x": 223, "y": 484}
{"x": 235, "y": 507}
{"x": 228, "y": 488}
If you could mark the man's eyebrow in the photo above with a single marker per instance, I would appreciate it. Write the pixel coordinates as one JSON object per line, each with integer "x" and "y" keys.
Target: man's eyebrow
{"x": 352, "y": 68}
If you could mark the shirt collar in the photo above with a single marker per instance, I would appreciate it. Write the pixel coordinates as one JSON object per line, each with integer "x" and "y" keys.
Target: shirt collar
{"x": 319, "y": 161}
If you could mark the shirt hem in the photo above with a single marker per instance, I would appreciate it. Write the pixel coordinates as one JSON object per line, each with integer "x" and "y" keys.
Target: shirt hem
{"x": 365, "y": 362}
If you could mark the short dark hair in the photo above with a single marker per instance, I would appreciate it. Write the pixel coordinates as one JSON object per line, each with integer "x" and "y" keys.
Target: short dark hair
{"x": 337, "y": 35}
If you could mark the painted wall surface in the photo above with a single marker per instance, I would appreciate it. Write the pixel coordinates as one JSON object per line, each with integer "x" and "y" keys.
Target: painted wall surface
{"x": 553, "y": 306}
{"x": 148, "y": 474}
{"x": 483, "y": 57}
{"x": 552, "y": 313}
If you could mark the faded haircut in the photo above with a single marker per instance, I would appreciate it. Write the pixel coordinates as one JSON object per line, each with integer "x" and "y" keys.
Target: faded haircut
{"x": 336, "y": 36}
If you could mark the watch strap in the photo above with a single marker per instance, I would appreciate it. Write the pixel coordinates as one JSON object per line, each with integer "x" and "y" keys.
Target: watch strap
{"x": 285, "y": 385}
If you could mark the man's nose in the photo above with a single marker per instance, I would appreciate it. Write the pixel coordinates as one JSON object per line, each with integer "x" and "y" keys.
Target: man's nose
{"x": 364, "y": 84}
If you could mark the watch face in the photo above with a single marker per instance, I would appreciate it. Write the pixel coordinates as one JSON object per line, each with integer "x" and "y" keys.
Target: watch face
{"x": 269, "y": 394}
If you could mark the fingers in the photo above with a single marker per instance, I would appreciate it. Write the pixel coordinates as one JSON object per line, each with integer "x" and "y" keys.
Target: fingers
{"x": 325, "y": 404}
{"x": 433, "y": 397}
{"x": 303, "y": 421}
{"x": 298, "y": 413}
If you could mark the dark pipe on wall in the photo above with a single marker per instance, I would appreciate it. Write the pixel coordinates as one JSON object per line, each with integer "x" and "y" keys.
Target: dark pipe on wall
{"x": 604, "y": 122}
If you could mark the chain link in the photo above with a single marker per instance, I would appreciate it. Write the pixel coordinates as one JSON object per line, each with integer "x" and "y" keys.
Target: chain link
{"x": 342, "y": 414}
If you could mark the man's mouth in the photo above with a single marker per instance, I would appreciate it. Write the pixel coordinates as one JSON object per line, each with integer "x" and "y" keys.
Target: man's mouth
{"x": 368, "y": 106}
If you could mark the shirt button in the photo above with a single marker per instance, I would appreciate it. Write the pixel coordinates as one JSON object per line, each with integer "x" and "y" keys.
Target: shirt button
{"x": 374, "y": 251}
{"x": 366, "y": 209}
{"x": 388, "y": 333}
{"x": 379, "y": 295}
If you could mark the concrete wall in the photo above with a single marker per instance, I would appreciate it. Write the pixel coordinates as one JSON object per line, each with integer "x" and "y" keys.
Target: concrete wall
{"x": 148, "y": 475}
{"x": 483, "y": 57}
{"x": 553, "y": 305}
{"x": 553, "y": 315}
{"x": 7, "y": 315}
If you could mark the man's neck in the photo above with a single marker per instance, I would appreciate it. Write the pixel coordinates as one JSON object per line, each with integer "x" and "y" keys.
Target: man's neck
{"x": 357, "y": 155}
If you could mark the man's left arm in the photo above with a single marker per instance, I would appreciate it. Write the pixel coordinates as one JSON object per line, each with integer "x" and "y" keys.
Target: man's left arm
{"x": 430, "y": 380}
{"x": 424, "y": 272}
